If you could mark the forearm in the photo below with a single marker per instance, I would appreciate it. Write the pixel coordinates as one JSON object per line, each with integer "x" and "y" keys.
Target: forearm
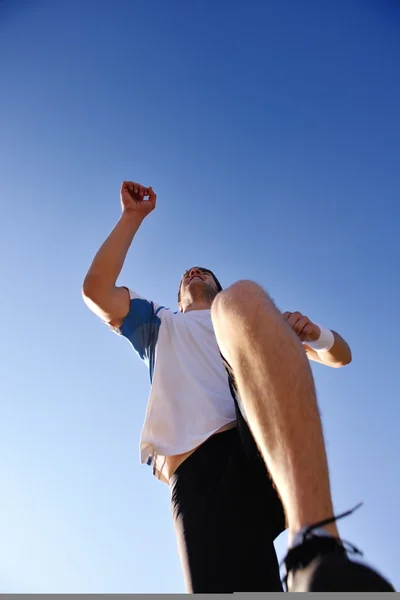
{"x": 109, "y": 260}
{"x": 338, "y": 356}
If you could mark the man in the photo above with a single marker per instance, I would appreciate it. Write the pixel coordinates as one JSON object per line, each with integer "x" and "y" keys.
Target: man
{"x": 231, "y": 394}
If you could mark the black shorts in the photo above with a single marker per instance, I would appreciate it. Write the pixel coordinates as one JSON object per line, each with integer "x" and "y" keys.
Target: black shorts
{"x": 227, "y": 515}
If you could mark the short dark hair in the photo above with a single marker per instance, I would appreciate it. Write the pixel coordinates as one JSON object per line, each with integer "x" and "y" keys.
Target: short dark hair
{"x": 217, "y": 283}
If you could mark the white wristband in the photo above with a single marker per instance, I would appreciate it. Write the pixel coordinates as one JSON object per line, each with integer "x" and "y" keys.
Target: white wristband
{"x": 325, "y": 341}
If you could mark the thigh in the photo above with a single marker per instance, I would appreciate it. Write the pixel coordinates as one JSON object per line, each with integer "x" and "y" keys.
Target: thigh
{"x": 223, "y": 528}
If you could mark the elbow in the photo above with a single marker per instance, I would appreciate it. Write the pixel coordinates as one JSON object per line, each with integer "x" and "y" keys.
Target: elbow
{"x": 87, "y": 288}
{"x": 344, "y": 361}
{"x": 90, "y": 288}
{"x": 348, "y": 358}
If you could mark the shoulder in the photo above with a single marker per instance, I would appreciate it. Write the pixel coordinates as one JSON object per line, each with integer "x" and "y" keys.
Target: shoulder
{"x": 142, "y": 312}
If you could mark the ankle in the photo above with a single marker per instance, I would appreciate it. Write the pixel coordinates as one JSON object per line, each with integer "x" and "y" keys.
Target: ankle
{"x": 296, "y": 537}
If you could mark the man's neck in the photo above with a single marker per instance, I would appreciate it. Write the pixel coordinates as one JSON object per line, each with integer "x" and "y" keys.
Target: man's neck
{"x": 200, "y": 304}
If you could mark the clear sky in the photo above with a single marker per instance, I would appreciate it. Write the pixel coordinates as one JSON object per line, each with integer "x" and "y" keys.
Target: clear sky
{"x": 270, "y": 132}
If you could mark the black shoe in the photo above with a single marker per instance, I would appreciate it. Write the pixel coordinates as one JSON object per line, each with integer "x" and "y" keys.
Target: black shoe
{"x": 321, "y": 564}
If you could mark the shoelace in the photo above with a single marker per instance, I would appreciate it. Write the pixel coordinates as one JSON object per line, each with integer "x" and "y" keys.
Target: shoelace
{"x": 309, "y": 534}
{"x": 347, "y": 513}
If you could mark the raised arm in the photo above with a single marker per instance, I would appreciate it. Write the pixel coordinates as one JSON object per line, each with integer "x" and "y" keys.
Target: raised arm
{"x": 326, "y": 347}
{"x": 99, "y": 290}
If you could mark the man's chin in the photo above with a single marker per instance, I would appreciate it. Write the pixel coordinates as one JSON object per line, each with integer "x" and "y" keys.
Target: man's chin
{"x": 198, "y": 282}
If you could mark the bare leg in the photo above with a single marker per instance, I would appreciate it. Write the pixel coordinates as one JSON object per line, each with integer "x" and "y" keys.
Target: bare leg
{"x": 276, "y": 386}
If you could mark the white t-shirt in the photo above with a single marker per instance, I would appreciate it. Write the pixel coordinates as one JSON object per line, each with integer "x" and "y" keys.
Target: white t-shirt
{"x": 190, "y": 399}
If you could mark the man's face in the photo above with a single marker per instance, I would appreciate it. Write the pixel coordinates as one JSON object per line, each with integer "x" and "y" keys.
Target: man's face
{"x": 195, "y": 282}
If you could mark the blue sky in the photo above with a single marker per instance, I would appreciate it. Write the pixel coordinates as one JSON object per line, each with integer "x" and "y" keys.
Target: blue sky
{"x": 270, "y": 132}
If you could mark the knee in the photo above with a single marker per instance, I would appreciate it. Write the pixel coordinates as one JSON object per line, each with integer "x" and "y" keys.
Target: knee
{"x": 242, "y": 298}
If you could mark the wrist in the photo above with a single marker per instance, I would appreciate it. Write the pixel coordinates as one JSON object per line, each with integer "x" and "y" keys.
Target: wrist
{"x": 324, "y": 342}
{"x": 131, "y": 218}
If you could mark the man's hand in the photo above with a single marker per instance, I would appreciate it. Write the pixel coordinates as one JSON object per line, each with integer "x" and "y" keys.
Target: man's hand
{"x": 133, "y": 199}
{"x": 302, "y": 326}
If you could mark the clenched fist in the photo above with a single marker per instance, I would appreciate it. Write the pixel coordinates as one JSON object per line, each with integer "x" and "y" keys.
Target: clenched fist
{"x": 305, "y": 329}
{"x": 136, "y": 198}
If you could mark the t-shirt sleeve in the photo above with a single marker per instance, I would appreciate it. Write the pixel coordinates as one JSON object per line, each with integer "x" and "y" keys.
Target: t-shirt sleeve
{"x": 141, "y": 326}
